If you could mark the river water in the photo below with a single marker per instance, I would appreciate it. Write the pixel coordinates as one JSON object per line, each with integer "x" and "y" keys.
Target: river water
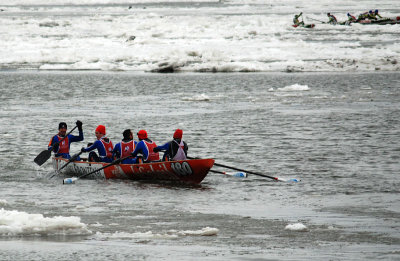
{"x": 337, "y": 132}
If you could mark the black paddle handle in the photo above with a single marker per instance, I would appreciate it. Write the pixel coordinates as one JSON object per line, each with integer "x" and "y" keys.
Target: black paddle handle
{"x": 251, "y": 172}
{"x": 217, "y": 171}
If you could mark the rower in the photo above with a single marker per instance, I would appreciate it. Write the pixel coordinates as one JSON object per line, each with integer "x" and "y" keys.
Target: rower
{"x": 62, "y": 149}
{"x": 351, "y": 18}
{"x": 175, "y": 149}
{"x": 296, "y": 21}
{"x": 362, "y": 16}
{"x": 332, "y": 19}
{"x": 125, "y": 148}
{"x": 374, "y": 15}
{"x": 145, "y": 146}
{"x": 103, "y": 145}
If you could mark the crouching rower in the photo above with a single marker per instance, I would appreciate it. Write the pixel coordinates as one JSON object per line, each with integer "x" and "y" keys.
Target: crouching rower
{"x": 374, "y": 15}
{"x": 145, "y": 147}
{"x": 351, "y": 18}
{"x": 175, "y": 149}
{"x": 62, "y": 149}
{"x": 103, "y": 145}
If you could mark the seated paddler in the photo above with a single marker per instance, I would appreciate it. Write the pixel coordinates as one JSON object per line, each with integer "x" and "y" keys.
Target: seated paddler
{"x": 145, "y": 147}
{"x": 125, "y": 148}
{"x": 332, "y": 19}
{"x": 296, "y": 20}
{"x": 103, "y": 145}
{"x": 62, "y": 148}
{"x": 175, "y": 149}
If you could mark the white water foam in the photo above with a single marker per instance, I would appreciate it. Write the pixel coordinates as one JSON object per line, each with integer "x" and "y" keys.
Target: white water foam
{"x": 171, "y": 234}
{"x": 294, "y": 87}
{"x": 3, "y": 202}
{"x": 296, "y": 227}
{"x": 207, "y": 231}
{"x": 199, "y": 97}
{"x": 16, "y": 223}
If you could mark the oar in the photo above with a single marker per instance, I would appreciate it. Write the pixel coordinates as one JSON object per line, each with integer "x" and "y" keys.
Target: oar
{"x": 255, "y": 173}
{"x": 251, "y": 172}
{"x": 46, "y": 154}
{"x": 237, "y": 174}
{"x": 73, "y": 158}
{"x": 73, "y": 179}
{"x": 316, "y": 20}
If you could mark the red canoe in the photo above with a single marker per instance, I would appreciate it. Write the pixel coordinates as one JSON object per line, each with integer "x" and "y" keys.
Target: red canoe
{"x": 191, "y": 171}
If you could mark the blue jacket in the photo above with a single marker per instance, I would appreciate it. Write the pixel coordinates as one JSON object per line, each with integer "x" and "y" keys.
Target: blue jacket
{"x": 117, "y": 151}
{"x": 171, "y": 148}
{"x": 141, "y": 147}
{"x": 98, "y": 144}
{"x": 71, "y": 138}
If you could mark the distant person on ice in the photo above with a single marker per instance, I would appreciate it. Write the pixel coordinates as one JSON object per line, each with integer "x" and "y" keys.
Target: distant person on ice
{"x": 351, "y": 18}
{"x": 374, "y": 15}
{"x": 332, "y": 19}
{"x": 296, "y": 20}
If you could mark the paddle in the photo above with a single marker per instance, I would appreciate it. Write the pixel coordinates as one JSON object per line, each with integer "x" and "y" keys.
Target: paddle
{"x": 316, "y": 20}
{"x": 237, "y": 174}
{"x": 73, "y": 158}
{"x": 251, "y": 172}
{"x": 73, "y": 179}
{"x": 46, "y": 154}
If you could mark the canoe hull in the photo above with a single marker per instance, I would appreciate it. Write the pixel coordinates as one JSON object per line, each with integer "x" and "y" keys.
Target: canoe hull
{"x": 183, "y": 171}
{"x": 395, "y": 20}
{"x": 304, "y": 26}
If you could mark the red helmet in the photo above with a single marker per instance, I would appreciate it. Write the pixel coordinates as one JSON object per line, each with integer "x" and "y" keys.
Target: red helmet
{"x": 142, "y": 134}
{"x": 178, "y": 134}
{"x": 101, "y": 129}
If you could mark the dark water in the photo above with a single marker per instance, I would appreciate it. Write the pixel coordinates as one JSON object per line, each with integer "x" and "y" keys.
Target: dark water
{"x": 340, "y": 136}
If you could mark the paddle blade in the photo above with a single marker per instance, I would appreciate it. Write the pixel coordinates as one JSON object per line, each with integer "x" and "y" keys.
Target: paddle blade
{"x": 294, "y": 180}
{"x": 42, "y": 157}
{"x": 70, "y": 180}
{"x": 236, "y": 174}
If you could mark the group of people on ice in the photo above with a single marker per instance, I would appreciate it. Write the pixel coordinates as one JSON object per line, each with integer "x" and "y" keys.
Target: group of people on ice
{"x": 128, "y": 150}
{"x": 371, "y": 15}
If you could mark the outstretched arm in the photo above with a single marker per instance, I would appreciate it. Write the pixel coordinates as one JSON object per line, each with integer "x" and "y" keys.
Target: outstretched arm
{"x": 74, "y": 138}
{"x": 164, "y": 147}
{"x": 94, "y": 146}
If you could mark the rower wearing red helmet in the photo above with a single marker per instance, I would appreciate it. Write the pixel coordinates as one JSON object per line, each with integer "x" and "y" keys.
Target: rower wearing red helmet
{"x": 175, "y": 149}
{"x": 103, "y": 145}
{"x": 145, "y": 146}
